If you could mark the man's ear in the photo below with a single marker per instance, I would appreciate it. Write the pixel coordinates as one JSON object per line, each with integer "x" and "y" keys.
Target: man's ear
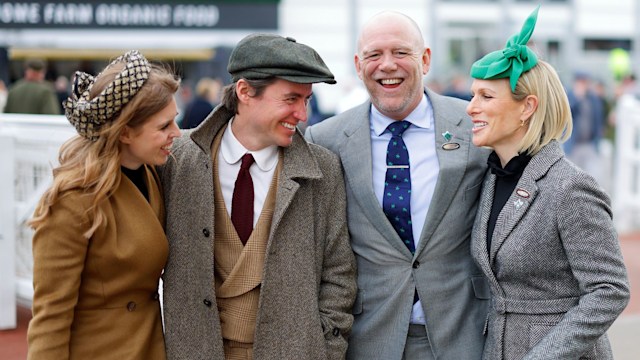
{"x": 244, "y": 91}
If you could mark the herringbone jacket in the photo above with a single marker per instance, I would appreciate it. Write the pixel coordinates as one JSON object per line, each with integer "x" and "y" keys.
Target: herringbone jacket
{"x": 555, "y": 268}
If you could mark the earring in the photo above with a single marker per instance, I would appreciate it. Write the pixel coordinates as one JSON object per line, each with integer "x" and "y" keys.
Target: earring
{"x": 521, "y": 123}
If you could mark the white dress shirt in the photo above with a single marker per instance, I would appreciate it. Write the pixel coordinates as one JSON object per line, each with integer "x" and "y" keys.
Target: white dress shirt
{"x": 420, "y": 141}
{"x": 229, "y": 160}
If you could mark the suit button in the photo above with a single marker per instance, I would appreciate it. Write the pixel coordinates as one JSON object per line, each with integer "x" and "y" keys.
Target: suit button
{"x": 207, "y": 302}
{"x": 131, "y": 306}
{"x": 206, "y": 232}
{"x": 336, "y": 332}
{"x": 416, "y": 264}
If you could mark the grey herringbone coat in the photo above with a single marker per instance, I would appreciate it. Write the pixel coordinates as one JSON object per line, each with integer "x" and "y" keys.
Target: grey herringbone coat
{"x": 308, "y": 284}
{"x": 555, "y": 268}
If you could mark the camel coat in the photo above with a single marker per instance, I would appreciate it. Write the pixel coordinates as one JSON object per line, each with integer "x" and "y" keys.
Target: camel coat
{"x": 97, "y": 298}
{"x": 308, "y": 280}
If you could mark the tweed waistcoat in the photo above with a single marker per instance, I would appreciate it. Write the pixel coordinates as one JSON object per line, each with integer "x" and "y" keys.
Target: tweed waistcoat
{"x": 238, "y": 268}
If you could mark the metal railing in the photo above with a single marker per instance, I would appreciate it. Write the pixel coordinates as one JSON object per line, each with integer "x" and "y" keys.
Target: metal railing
{"x": 28, "y": 152}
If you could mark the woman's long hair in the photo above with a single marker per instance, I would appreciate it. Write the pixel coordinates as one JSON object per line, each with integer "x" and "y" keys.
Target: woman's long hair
{"x": 93, "y": 167}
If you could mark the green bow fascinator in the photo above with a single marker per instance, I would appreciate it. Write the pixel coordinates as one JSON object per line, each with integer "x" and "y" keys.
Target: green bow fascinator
{"x": 510, "y": 62}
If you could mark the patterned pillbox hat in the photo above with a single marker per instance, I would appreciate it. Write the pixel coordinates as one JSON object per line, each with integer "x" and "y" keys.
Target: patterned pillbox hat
{"x": 89, "y": 115}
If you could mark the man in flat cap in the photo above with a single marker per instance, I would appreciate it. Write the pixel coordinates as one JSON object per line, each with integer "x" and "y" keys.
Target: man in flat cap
{"x": 259, "y": 259}
{"x": 32, "y": 94}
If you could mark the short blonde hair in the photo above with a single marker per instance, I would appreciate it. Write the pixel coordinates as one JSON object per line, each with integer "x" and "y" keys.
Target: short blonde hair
{"x": 552, "y": 118}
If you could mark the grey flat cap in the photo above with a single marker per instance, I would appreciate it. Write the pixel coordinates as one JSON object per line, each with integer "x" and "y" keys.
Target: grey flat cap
{"x": 261, "y": 56}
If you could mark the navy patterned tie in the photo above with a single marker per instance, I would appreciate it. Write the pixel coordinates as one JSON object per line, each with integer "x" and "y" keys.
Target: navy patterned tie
{"x": 396, "y": 202}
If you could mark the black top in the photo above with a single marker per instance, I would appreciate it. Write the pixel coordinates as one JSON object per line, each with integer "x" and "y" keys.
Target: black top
{"x": 138, "y": 178}
{"x": 506, "y": 180}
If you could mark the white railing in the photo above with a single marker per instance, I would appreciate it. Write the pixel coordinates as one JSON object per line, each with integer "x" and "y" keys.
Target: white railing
{"x": 28, "y": 151}
{"x": 626, "y": 192}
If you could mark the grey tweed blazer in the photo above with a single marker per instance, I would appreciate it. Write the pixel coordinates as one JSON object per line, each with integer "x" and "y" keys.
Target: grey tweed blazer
{"x": 454, "y": 293}
{"x": 555, "y": 268}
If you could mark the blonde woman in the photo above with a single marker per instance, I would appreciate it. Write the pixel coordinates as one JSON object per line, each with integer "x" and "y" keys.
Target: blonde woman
{"x": 543, "y": 235}
{"x": 99, "y": 245}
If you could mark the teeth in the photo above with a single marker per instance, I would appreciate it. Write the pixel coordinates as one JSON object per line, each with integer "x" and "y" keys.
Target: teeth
{"x": 390, "y": 81}
{"x": 288, "y": 126}
{"x": 479, "y": 124}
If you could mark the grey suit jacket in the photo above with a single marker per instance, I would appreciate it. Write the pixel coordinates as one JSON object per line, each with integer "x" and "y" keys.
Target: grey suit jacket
{"x": 308, "y": 284}
{"x": 453, "y": 292}
{"x": 555, "y": 268}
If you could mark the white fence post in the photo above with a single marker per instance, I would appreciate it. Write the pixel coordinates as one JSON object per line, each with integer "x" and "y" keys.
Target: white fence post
{"x": 28, "y": 150}
{"x": 7, "y": 234}
{"x": 626, "y": 192}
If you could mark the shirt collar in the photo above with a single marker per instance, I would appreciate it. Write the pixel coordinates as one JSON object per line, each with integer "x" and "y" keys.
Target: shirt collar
{"x": 232, "y": 151}
{"x": 421, "y": 116}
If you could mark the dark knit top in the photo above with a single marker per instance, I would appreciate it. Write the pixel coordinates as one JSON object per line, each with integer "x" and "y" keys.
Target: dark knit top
{"x": 506, "y": 181}
{"x": 137, "y": 177}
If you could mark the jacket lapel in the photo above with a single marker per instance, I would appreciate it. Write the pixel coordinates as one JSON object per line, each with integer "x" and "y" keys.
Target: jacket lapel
{"x": 479, "y": 238}
{"x": 523, "y": 195}
{"x": 452, "y": 164}
{"x": 358, "y": 173}
{"x": 297, "y": 163}
{"x": 516, "y": 207}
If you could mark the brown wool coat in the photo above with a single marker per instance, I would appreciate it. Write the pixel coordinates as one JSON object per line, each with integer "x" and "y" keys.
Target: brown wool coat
{"x": 308, "y": 284}
{"x": 97, "y": 298}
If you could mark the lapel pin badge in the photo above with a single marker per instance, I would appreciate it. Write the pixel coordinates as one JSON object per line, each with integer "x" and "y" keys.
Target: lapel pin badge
{"x": 449, "y": 145}
{"x": 518, "y": 203}
{"x": 523, "y": 193}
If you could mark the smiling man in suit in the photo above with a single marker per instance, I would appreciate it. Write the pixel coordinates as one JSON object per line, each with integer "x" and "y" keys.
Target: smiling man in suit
{"x": 413, "y": 181}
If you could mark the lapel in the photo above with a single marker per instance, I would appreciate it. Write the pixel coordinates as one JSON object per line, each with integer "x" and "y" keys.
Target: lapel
{"x": 358, "y": 174}
{"x": 298, "y": 163}
{"x": 479, "y": 238}
{"x": 155, "y": 197}
{"x": 204, "y": 134}
{"x": 452, "y": 163}
{"x": 523, "y": 195}
{"x": 140, "y": 205}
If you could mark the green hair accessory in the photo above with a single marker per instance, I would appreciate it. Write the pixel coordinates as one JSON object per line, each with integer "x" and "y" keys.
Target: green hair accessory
{"x": 510, "y": 62}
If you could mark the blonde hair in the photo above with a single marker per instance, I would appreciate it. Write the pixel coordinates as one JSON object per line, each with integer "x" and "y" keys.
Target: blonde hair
{"x": 93, "y": 167}
{"x": 552, "y": 118}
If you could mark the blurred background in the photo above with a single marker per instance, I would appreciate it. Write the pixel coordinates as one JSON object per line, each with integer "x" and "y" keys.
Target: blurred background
{"x": 594, "y": 45}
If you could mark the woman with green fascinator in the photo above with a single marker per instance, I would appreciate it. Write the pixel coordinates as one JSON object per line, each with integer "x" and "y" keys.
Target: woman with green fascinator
{"x": 99, "y": 245}
{"x": 543, "y": 235}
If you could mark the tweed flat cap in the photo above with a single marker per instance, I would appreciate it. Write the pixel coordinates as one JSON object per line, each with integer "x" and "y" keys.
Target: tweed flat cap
{"x": 261, "y": 56}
